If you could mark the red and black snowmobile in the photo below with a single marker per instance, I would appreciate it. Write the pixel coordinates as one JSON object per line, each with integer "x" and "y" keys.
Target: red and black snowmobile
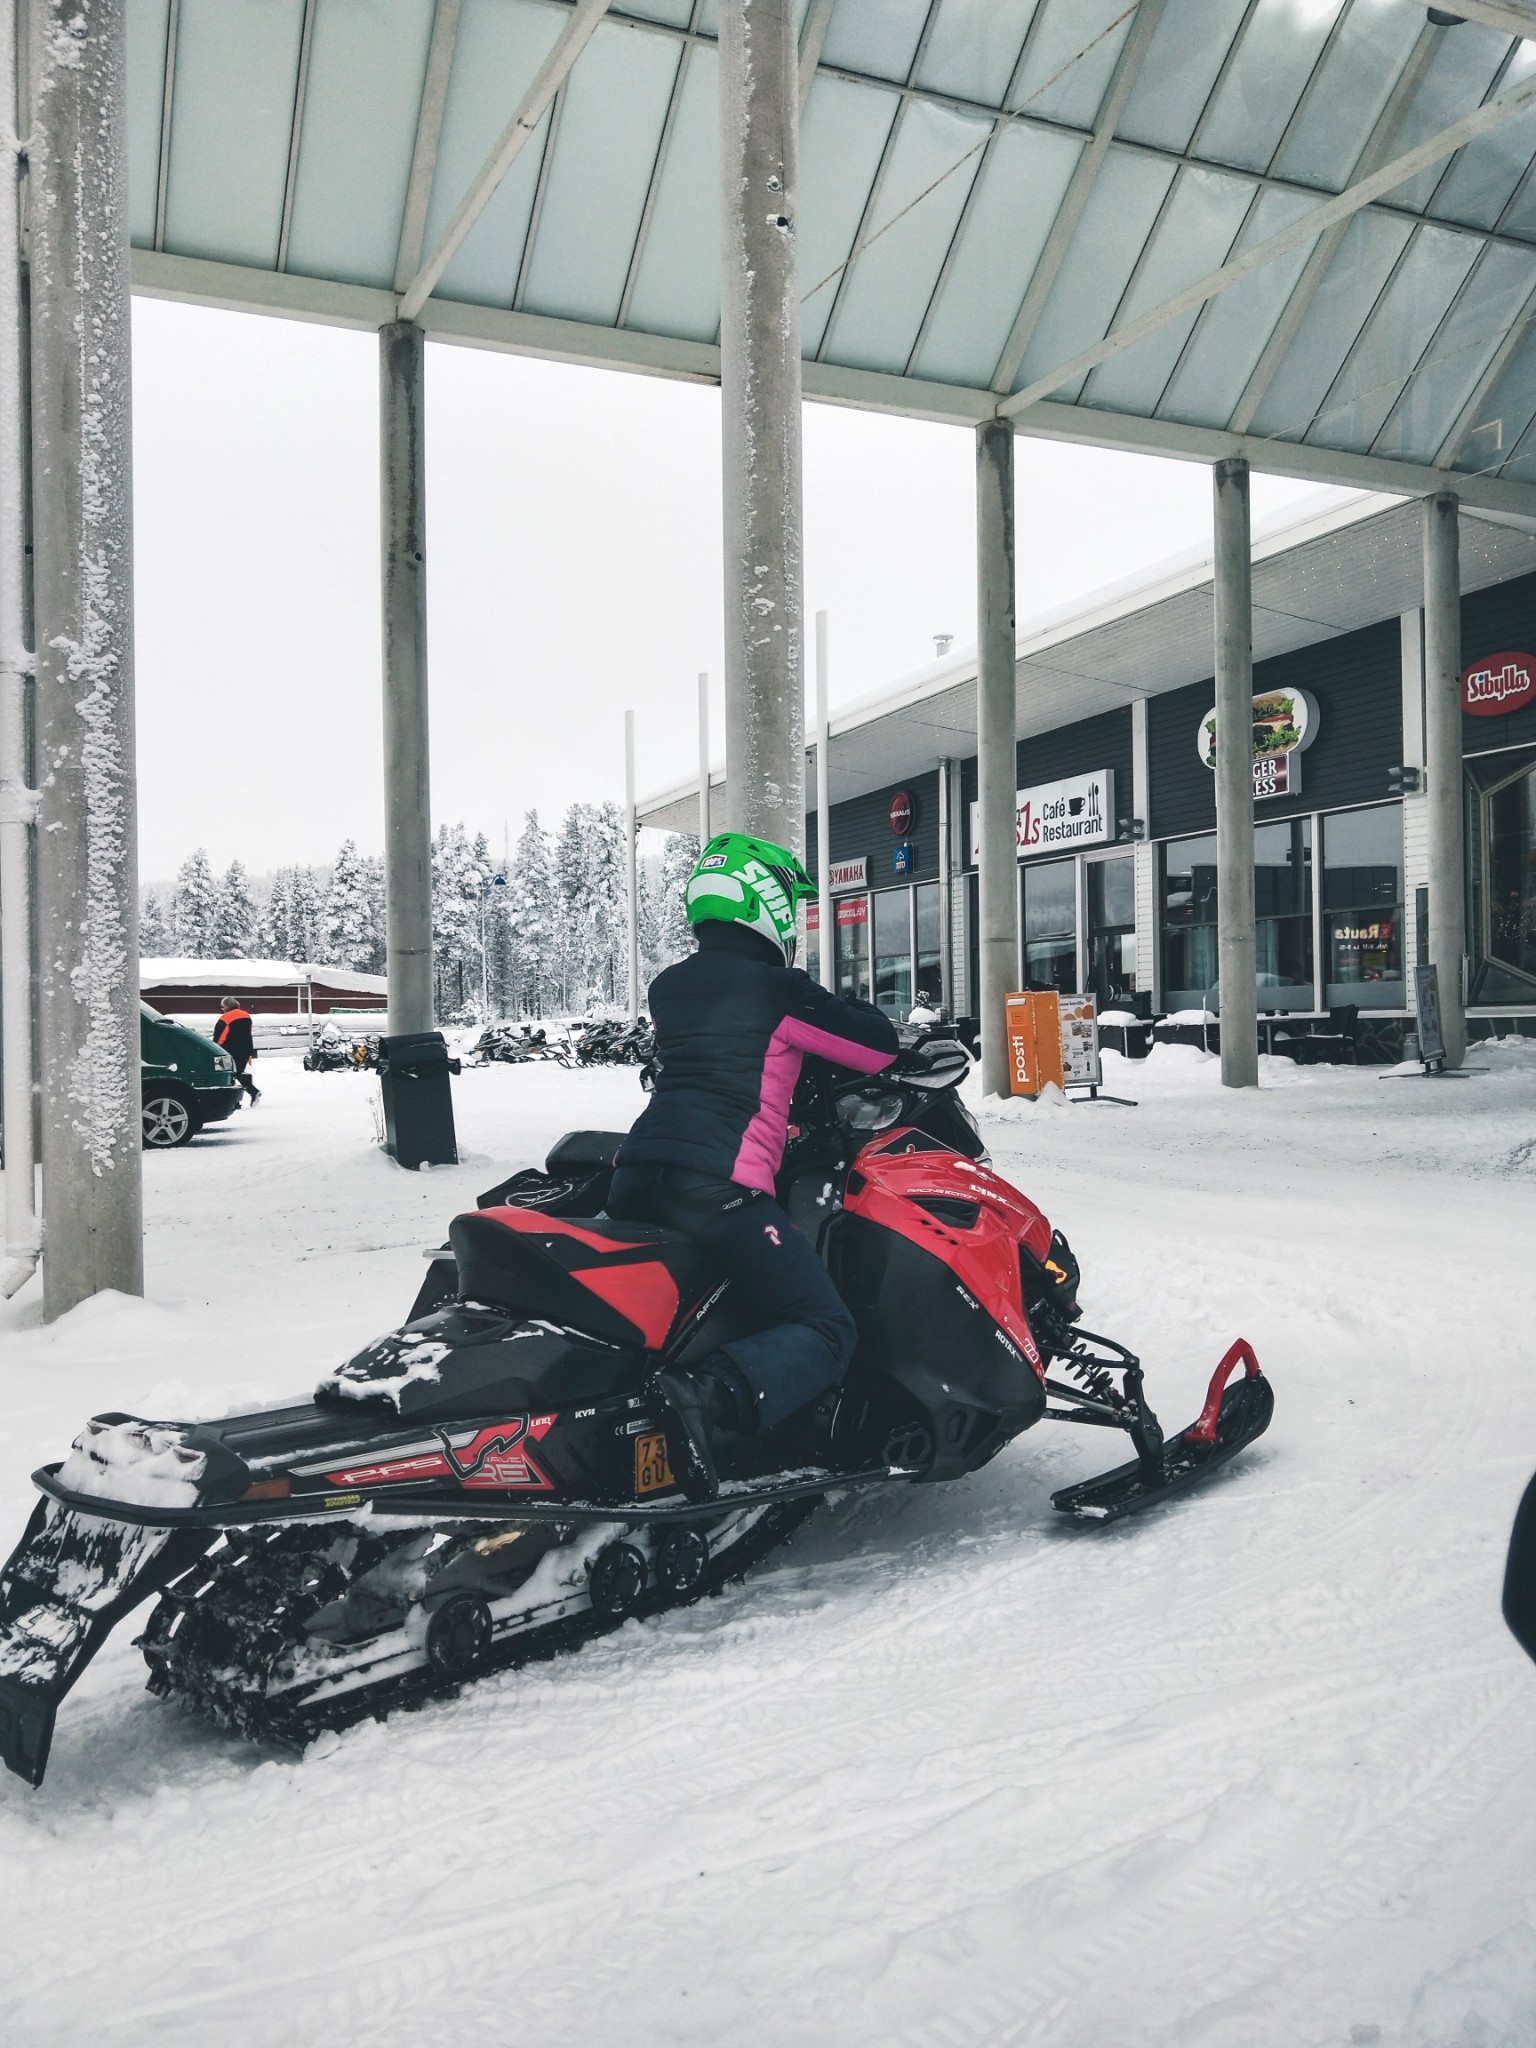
{"x": 491, "y": 1483}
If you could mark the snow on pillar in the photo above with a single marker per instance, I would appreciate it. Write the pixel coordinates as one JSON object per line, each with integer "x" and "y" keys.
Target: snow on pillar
{"x": 760, "y": 421}
{"x": 407, "y": 784}
{"x": 1236, "y": 960}
{"x": 1443, "y": 770}
{"x": 996, "y": 746}
{"x": 88, "y": 928}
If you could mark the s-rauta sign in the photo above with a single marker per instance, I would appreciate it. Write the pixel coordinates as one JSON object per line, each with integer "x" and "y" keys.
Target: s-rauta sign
{"x": 1498, "y": 684}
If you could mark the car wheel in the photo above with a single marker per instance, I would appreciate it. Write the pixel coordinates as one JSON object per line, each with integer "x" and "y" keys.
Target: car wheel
{"x": 169, "y": 1118}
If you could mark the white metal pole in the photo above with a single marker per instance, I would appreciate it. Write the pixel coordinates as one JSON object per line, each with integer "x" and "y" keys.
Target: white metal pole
{"x": 1235, "y": 944}
{"x": 946, "y": 884}
{"x": 703, "y": 759}
{"x": 18, "y": 800}
{"x": 631, "y": 867}
{"x": 826, "y": 951}
{"x": 82, "y": 498}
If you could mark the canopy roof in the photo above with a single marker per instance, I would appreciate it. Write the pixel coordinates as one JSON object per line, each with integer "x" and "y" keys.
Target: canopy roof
{"x": 1318, "y": 572}
{"x": 1177, "y": 226}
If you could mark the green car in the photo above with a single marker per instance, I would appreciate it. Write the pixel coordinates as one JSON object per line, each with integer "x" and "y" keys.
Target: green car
{"x": 188, "y": 1082}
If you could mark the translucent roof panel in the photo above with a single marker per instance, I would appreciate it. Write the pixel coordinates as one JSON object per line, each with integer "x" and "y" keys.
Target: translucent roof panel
{"x": 990, "y": 192}
{"x": 362, "y": 93}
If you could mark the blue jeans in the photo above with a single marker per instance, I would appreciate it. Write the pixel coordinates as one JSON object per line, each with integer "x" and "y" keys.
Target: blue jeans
{"x": 772, "y": 1267}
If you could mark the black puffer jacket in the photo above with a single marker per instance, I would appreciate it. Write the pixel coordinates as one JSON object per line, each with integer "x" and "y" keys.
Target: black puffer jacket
{"x": 732, "y": 1026}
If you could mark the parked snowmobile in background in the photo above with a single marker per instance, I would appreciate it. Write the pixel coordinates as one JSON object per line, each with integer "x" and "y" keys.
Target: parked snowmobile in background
{"x": 512, "y": 1043}
{"x": 491, "y": 1482}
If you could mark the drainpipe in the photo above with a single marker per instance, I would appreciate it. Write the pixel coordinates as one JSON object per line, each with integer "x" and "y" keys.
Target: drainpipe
{"x": 18, "y": 801}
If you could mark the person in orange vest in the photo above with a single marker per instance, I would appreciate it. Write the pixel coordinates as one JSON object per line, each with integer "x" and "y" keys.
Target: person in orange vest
{"x": 233, "y": 1033}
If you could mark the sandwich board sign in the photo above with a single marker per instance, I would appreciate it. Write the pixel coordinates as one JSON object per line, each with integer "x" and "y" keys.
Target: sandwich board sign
{"x": 1080, "y": 1066}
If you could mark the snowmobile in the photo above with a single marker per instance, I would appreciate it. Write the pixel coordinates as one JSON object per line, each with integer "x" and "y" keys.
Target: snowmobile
{"x": 491, "y": 1482}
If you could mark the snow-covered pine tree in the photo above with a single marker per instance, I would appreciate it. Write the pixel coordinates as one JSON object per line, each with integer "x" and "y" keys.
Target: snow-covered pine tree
{"x": 234, "y": 916}
{"x": 378, "y": 923}
{"x": 460, "y": 871}
{"x": 306, "y": 917}
{"x": 675, "y": 940}
{"x": 272, "y": 928}
{"x": 572, "y": 936}
{"x": 195, "y": 908}
{"x": 531, "y": 918}
{"x": 608, "y": 886}
{"x": 349, "y": 935}
{"x": 154, "y": 929}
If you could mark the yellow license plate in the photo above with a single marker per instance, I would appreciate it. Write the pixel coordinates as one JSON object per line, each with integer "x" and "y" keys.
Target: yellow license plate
{"x": 653, "y": 1474}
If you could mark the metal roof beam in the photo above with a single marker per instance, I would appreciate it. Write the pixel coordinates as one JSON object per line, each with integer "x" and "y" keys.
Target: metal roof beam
{"x": 429, "y": 134}
{"x": 812, "y": 36}
{"x": 1320, "y": 261}
{"x": 195, "y": 281}
{"x": 1079, "y": 191}
{"x": 1348, "y": 203}
{"x": 552, "y": 73}
{"x": 296, "y": 132}
{"x": 167, "y": 104}
{"x": 1511, "y": 17}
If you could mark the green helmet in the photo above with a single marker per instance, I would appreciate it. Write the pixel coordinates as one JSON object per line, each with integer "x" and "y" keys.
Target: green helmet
{"x": 741, "y": 880}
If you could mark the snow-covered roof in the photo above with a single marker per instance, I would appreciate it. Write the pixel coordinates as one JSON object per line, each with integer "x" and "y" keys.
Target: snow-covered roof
{"x": 172, "y": 973}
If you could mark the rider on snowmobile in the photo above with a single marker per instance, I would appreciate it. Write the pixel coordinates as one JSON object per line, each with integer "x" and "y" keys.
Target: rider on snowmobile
{"x": 732, "y": 1024}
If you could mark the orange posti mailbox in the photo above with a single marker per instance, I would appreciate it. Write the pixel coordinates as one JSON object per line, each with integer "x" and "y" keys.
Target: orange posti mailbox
{"x": 1034, "y": 1041}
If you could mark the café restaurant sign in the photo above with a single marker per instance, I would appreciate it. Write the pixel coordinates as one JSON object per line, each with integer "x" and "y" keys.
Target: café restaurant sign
{"x": 1498, "y": 684}
{"x": 1053, "y": 816}
{"x": 1284, "y": 726}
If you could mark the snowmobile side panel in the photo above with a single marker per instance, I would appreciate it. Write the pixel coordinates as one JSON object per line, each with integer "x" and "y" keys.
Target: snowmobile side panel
{"x": 64, "y": 1589}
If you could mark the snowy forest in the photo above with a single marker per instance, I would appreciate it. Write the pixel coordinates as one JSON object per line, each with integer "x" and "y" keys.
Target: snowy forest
{"x": 542, "y": 933}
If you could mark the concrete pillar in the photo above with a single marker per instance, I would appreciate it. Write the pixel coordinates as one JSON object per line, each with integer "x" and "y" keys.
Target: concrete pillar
{"x": 997, "y": 760}
{"x": 826, "y": 951}
{"x": 88, "y": 927}
{"x": 704, "y": 832}
{"x": 407, "y": 780}
{"x": 18, "y": 798}
{"x": 760, "y": 421}
{"x": 631, "y": 870}
{"x": 1443, "y": 770}
{"x": 1235, "y": 955}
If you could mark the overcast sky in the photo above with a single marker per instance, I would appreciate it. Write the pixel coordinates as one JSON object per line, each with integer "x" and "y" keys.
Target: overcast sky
{"x": 573, "y": 570}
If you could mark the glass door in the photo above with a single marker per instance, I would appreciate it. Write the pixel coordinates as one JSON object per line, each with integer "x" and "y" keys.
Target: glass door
{"x": 893, "y": 952}
{"x": 1112, "y": 930}
{"x": 1508, "y": 863}
{"x": 1050, "y": 925}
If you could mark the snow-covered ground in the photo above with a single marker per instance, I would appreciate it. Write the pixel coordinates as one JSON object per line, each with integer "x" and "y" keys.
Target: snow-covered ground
{"x": 1252, "y": 1772}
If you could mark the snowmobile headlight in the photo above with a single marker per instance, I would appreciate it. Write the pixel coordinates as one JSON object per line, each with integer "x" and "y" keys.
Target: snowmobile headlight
{"x": 869, "y": 1109}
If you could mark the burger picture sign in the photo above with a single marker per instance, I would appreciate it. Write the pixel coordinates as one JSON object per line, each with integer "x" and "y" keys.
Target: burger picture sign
{"x": 1284, "y": 724}
{"x": 1498, "y": 684}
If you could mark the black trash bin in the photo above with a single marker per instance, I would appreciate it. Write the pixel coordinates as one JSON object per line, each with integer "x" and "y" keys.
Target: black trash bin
{"x": 418, "y": 1108}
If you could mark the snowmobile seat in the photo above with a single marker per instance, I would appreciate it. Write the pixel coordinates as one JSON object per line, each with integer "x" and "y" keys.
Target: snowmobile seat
{"x": 629, "y": 1283}
{"x": 583, "y": 1152}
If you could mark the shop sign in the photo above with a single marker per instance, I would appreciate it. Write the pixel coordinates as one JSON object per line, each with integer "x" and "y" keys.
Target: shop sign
{"x": 1080, "y": 1063}
{"x": 903, "y": 811}
{"x": 850, "y": 874}
{"x": 1079, "y": 811}
{"x": 1498, "y": 684}
{"x": 1284, "y": 725}
{"x": 901, "y": 860}
{"x": 852, "y": 910}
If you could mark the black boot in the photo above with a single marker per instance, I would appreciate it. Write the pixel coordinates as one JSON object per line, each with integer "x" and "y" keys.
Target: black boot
{"x": 697, "y": 1404}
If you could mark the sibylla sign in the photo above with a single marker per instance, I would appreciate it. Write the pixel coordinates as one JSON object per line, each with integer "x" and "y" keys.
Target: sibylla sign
{"x": 1498, "y": 684}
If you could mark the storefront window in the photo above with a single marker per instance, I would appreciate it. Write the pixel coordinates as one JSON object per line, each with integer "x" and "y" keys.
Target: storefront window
{"x": 1189, "y": 921}
{"x": 852, "y": 914}
{"x": 1363, "y": 907}
{"x": 1050, "y": 925}
{"x": 1112, "y": 930}
{"x": 893, "y": 951}
{"x": 930, "y": 980}
{"x": 1282, "y": 903}
{"x": 1512, "y": 875}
